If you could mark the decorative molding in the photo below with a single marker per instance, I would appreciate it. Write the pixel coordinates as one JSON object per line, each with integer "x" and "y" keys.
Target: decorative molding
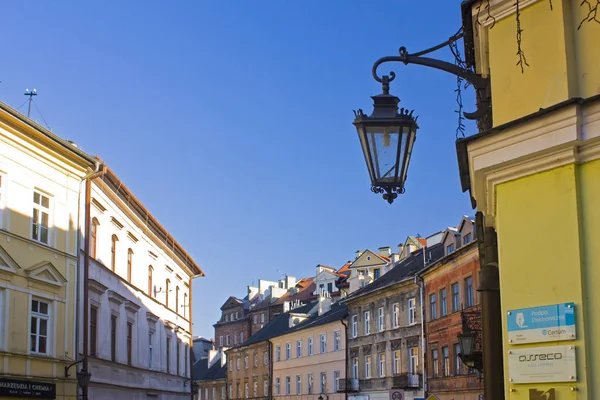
{"x": 116, "y": 223}
{"x": 96, "y": 286}
{"x": 46, "y": 272}
{"x": 132, "y": 237}
{"x": 169, "y": 268}
{"x": 151, "y": 318}
{"x": 98, "y": 205}
{"x": 499, "y": 9}
{"x": 178, "y": 276}
{"x": 7, "y": 263}
{"x": 152, "y": 255}
{"x": 116, "y": 298}
{"x": 131, "y": 306}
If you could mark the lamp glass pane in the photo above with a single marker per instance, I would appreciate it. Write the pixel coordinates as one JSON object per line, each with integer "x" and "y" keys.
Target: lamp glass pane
{"x": 383, "y": 147}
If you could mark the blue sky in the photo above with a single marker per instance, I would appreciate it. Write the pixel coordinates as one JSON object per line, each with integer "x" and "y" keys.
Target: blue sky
{"x": 231, "y": 120}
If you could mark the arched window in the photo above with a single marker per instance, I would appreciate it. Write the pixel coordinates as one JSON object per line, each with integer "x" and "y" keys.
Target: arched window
{"x": 94, "y": 236}
{"x": 150, "y": 271}
{"x": 167, "y": 293}
{"x": 177, "y": 300}
{"x": 113, "y": 253}
{"x": 129, "y": 262}
{"x": 185, "y": 305}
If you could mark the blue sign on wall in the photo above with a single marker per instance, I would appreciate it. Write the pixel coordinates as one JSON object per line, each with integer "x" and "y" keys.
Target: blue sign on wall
{"x": 541, "y": 324}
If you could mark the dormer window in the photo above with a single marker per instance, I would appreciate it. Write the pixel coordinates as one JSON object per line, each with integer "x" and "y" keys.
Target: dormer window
{"x": 467, "y": 239}
{"x": 449, "y": 249}
{"x": 377, "y": 273}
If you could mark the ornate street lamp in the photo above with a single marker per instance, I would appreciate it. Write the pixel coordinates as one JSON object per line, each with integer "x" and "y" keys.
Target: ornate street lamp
{"x": 83, "y": 378}
{"x": 466, "y": 341}
{"x": 387, "y": 138}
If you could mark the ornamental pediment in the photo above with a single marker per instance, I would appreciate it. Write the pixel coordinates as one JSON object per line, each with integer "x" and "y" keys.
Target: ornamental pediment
{"x": 47, "y": 273}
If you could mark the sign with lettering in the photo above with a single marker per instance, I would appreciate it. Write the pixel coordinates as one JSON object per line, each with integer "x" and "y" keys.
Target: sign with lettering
{"x": 541, "y": 324}
{"x": 542, "y": 364}
{"x": 29, "y": 389}
{"x": 396, "y": 394}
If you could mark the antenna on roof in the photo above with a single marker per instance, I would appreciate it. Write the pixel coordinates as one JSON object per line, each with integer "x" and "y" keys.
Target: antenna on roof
{"x": 30, "y": 94}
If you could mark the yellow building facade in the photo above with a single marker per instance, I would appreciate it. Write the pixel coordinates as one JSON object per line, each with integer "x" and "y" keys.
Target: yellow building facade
{"x": 535, "y": 175}
{"x": 40, "y": 184}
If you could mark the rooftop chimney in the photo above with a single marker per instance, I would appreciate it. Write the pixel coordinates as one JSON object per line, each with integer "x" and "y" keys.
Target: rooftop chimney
{"x": 290, "y": 282}
{"x": 324, "y": 303}
{"x": 358, "y": 253}
{"x": 385, "y": 251}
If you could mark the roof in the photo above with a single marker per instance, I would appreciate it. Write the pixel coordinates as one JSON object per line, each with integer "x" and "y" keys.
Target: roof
{"x": 230, "y": 298}
{"x": 152, "y": 223}
{"x": 345, "y": 268}
{"x": 215, "y": 372}
{"x": 337, "y": 313}
{"x": 402, "y": 270}
{"x": 199, "y": 368}
{"x": 305, "y": 292}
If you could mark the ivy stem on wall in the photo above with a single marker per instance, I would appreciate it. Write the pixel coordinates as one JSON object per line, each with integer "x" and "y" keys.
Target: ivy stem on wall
{"x": 522, "y": 59}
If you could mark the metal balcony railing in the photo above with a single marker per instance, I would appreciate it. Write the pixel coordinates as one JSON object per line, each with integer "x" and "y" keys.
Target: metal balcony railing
{"x": 347, "y": 385}
{"x": 407, "y": 381}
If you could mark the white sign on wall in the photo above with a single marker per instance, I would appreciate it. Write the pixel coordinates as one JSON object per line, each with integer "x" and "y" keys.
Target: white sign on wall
{"x": 542, "y": 364}
{"x": 396, "y": 394}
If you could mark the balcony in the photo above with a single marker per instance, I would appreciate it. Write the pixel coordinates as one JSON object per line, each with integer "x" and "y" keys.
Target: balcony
{"x": 348, "y": 385}
{"x": 407, "y": 381}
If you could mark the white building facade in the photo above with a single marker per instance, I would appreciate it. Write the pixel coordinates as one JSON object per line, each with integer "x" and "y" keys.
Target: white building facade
{"x": 139, "y": 301}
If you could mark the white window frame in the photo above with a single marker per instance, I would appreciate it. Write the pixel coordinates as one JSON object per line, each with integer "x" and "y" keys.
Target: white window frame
{"x": 368, "y": 363}
{"x": 150, "y": 349}
{"x": 323, "y": 379}
{"x": 323, "y": 343}
{"x": 41, "y": 317}
{"x": 380, "y": 320}
{"x": 220, "y": 341}
{"x": 255, "y": 389}
{"x": 298, "y": 348}
{"x": 223, "y": 393}
{"x": 41, "y": 209}
{"x": 354, "y": 367}
{"x": 288, "y": 386}
{"x": 310, "y": 383}
{"x": 397, "y": 362}
{"x": 367, "y": 322}
{"x": 241, "y": 337}
{"x": 413, "y": 360}
{"x": 336, "y": 380}
{"x": 246, "y": 390}
{"x": 277, "y": 386}
{"x": 396, "y": 315}
{"x": 214, "y": 393}
{"x": 265, "y": 388}
{"x": 311, "y": 346}
{"x": 412, "y": 311}
{"x": 228, "y": 340}
{"x": 381, "y": 365}
{"x": 231, "y": 390}
{"x": 255, "y": 360}
{"x": 337, "y": 340}
{"x": 266, "y": 358}
{"x": 255, "y": 319}
{"x": 354, "y": 326}
{"x": 277, "y": 353}
{"x": 298, "y": 385}
{"x": 246, "y": 361}
{"x": 288, "y": 351}
{"x": 262, "y": 318}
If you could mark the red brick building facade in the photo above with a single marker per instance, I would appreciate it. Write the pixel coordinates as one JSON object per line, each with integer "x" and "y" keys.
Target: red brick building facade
{"x": 234, "y": 326}
{"x": 450, "y": 288}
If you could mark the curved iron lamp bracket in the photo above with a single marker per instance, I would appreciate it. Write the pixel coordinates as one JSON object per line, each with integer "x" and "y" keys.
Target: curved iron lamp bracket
{"x": 481, "y": 84}
{"x": 68, "y": 367}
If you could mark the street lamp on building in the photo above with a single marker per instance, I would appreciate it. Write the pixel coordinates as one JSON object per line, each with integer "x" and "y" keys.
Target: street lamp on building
{"x": 83, "y": 378}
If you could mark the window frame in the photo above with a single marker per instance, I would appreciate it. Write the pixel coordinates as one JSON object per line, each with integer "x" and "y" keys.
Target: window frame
{"x": 354, "y": 326}
{"x": 288, "y": 351}
{"x": 412, "y": 311}
{"x": 311, "y": 346}
{"x": 381, "y": 365}
{"x": 396, "y": 315}
{"x": 368, "y": 363}
{"x": 469, "y": 298}
{"x": 41, "y": 209}
{"x": 432, "y": 306}
{"x": 443, "y": 302}
{"x": 114, "y": 327}
{"x": 129, "y": 264}
{"x": 337, "y": 340}
{"x": 367, "y": 322}
{"x": 435, "y": 363}
{"x": 129, "y": 337}
{"x": 94, "y": 237}
{"x": 397, "y": 369}
{"x": 298, "y": 348}
{"x": 455, "y": 290}
{"x": 323, "y": 343}
{"x": 113, "y": 252}
{"x": 34, "y": 348}
{"x": 93, "y": 330}
{"x": 380, "y": 320}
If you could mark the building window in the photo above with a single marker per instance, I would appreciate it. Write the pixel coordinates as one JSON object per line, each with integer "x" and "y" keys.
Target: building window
{"x": 396, "y": 315}
{"x": 167, "y": 284}
{"x": 310, "y": 383}
{"x": 177, "y": 300}
{"x": 446, "y": 360}
{"x": 239, "y": 394}
{"x": 381, "y": 365}
{"x": 129, "y": 266}
{"x": 323, "y": 382}
{"x": 457, "y": 360}
{"x": 41, "y": 217}
{"x": 255, "y": 319}
{"x": 205, "y": 394}
{"x": 397, "y": 363}
{"x": 288, "y": 351}
{"x": 94, "y": 237}
{"x": 298, "y": 385}
{"x": 330, "y": 287}
{"x": 277, "y": 386}
{"x": 266, "y": 358}
{"x": 380, "y": 320}
{"x": 246, "y": 390}
{"x": 93, "y": 330}
{"x": 177, "y": 357}
{"x": 241, "y": 337}
{"x": 255, "y": 360}
{"x": 432, "y": 307}
{"x": 129, "y": 342}
{"x": 336, "y": 380}
{"x": 221, "y": 341}
{"x": 265, "y": 388}
{"x": 186, "y": 350}
{"x": 231, "y": 391}
{"x": 466, "y": 239}
{"x": 40, "y": 319}
{"x": 255, "y": 389}
{"x": 354, "y": 326}
{"x": 2, "y": 196}
{"x": 288, "y": 384}
{"x": 245, "y": 362}
{"x": 455, "y": 298}
{"x": 234, "y": 340}
{"x": 367, "y": 322}
{"x": 367, "y": 367}
{"x": 435, "y": 369}
{"x": 337, "y": 340}
{"x": 443, "y": 303}
{"x": 412, "y": 311}
{"x": 150, "y": 351}
{"x": 223, "y": 393}
{"x": 354, "y": 367}
{"x": 414, "y": 360}
{"x": 168, "y": 356}
{"x": 185, "y": 305}
{"x": 278, "y": 353}
{"x": 150, "y": 287}
{"x": 262, "y": 318}
{"x": 377, "y": 273}
{"x": 310, "y": 346}
{"x": 323, "y": 348}
{"x": 298, "y": 348}
{"x": 113, "y": 252}
{"x": 469, "y": 292}
{"x": 113, "y": 338}
{"x": 449, "y": 249}
{"x": 228, "y": 340}
{"x": 214, "y": 393}
{"x": 237, "y": 364}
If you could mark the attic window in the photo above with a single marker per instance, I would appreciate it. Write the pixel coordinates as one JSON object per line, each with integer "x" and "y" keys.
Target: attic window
{"x": 449, "y": 249}
{"x": 369, "y": 258}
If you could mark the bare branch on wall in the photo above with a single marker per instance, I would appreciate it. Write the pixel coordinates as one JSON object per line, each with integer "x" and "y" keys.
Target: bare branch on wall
{"x": 592, "y": 14}
{"x": 522, "y": 60}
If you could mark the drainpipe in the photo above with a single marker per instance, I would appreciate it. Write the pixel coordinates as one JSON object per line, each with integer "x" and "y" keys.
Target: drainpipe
{"x": 346, "y": 358}
{"x": 491, "y": 312}
{"x": 191, "y": 348}
{"x": 270, "y": 345}
{"x": 419, "y": 281}
{"x": 86, "y": 272}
